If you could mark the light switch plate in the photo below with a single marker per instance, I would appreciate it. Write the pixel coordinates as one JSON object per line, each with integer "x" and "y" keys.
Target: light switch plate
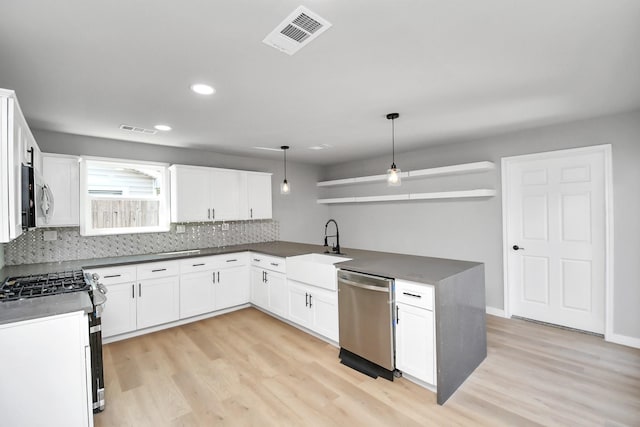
{"x": 50, "y": 235}
{"x": 180, "y": 228}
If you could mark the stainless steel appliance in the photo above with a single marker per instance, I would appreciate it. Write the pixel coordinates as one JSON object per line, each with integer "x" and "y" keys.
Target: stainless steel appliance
{"x": 52, "y": 284}
{"x": 367, "y": 319}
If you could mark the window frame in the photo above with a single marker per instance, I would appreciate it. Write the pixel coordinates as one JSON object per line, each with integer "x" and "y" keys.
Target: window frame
{"x": 164, "y": 210}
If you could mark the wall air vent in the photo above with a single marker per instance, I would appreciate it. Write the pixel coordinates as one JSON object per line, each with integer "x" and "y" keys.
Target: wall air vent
{"x": 297, "y": 30}
{"x": 138, "y": 129}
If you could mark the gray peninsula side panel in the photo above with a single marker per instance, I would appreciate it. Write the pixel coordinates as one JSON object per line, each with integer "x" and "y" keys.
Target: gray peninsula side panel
{"x": 461, "y": 334}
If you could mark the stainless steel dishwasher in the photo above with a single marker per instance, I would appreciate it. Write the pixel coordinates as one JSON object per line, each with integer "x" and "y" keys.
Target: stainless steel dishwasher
{"x": 365, "y": 307}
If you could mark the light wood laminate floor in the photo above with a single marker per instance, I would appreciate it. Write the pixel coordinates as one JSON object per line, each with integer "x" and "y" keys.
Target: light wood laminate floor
{"x": 247, "y": 368}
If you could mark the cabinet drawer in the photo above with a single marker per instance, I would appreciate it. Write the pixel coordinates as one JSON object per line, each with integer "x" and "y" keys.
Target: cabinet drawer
{"x": 268, "y": 262}
{"x": 115, "y": 275}
{"x": 232, "y": 260}
{"x": 415, "y": 294}
{"x": 201, "y": 263}
{"x": 158, "y": 269}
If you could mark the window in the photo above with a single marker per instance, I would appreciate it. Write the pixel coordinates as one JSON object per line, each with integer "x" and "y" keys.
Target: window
{"x": 121, "y": 196}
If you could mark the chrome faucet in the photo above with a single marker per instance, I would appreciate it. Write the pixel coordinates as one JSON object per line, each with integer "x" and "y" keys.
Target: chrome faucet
{"x": 336, "y": 247}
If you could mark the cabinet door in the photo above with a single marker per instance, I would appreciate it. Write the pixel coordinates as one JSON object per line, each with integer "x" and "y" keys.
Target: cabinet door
{"x": 196, "y": 293}
{"x": 232, "y": 288}
{"x": 259, "y": 289}
{"x": 158, "y": 301}
{"x": 324, "y": 306}
{"x": 119, "y": 314}
{"x": 299, "y": 311}
{"x": 16, "y": 141}
{"x": 190, "y": 194}
{"x": 277, "y": 285}
{"x": 61, "y": 174}
{"x": 259, "y": 196}
{"x": 225, "y": 194}
{"x": 415, "y": 342}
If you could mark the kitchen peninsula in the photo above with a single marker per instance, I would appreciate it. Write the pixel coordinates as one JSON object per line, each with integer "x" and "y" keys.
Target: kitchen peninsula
{"x": 459, "y": 305}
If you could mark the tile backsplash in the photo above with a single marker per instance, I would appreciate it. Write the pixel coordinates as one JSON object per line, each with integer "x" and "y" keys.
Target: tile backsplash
{"x": 31, "y": 247}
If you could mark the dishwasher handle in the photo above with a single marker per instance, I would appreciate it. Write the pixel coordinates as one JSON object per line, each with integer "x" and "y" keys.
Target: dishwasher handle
{"x": 363, "y": 286}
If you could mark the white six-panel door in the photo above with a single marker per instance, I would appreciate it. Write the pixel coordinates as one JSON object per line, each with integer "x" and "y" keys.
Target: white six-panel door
{"x": 554, "y": 213}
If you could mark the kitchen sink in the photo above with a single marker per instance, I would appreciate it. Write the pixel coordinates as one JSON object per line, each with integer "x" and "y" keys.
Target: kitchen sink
{"x": 314, "y": 269}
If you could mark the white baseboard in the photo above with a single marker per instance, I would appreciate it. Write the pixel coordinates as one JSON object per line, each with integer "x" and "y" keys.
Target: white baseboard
{"x": 623, "y": 340}
{"x": 495, "y": 311}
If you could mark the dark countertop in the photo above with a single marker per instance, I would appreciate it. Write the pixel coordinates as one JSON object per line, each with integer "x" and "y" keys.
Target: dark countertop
{"x": 399, "y": 266}
{"x": 33, "y": 308}
{"x": 408, "y": 267}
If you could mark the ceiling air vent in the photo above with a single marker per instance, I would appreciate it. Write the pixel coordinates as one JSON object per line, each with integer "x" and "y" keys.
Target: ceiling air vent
{"x": 138, "y": 129}
{"x": 296, "y": 31}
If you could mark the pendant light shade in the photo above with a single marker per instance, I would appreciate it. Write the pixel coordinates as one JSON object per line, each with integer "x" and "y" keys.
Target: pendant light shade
{"x": 393, "y": 173}
{"x": 285, "y": 187}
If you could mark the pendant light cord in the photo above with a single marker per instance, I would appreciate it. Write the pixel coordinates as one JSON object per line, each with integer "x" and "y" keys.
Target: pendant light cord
{"x": 393, "y": 141}
{"x": 285, "y": 164}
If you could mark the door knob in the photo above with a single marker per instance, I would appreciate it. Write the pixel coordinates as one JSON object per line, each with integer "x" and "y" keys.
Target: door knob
{"x": 516, "y": 248}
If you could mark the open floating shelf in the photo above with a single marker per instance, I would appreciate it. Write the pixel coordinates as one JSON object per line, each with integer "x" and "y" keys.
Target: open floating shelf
{"x": 481, "y": 192}
{"x": 420, "y": 173}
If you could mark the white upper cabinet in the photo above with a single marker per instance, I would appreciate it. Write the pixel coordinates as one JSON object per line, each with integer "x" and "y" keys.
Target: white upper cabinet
{"x": 204, "y": 194}
{"x": 210, "y": 194}
{"x": 258, "y": 196}
{"x": 225, "y": 194}
{"x": 15, "y": 142}
{"x": 61, "y": 174}
{"x": 190, "y": 194}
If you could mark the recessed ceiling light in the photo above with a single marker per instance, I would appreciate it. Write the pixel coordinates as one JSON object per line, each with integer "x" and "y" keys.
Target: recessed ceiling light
{"x": 202, "y": 89}
{"x": 320, "y": 147}
{"x": 164, "y": 128}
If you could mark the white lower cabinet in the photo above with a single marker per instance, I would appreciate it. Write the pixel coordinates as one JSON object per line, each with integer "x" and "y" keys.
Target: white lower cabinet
{"x": 269, "y": 283}
{"x": 314, "y": 308}
{"x": 415, "y": 331}
{"x": 158, "y": 301}
{"x": 139, "y": 296}
{"x": 47, "y": 356}
{"x": 119, "y": 315}
{"x": 213, "y": 283}
{"x": 231, "y": 288}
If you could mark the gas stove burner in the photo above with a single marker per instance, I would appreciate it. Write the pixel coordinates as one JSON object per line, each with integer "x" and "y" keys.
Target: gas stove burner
{"x": 39, "y": 285}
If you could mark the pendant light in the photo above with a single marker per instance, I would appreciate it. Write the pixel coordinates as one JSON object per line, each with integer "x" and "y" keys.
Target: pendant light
{"x": 393, "y": 173}
{"x": 285, "y": 188}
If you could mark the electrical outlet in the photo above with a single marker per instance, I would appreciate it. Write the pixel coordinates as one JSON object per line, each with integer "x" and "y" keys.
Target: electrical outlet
{"x": 180, "y": 228}
{"x": 225, "y": 226}
{"x": 50, "y": 235}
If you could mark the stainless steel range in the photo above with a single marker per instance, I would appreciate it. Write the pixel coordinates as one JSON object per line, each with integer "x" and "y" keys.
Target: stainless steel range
{"x": 42, "y": 285}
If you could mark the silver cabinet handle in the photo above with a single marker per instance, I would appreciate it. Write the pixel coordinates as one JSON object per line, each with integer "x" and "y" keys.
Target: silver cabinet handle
{"x": 213, "y": 213}
{"x": 140, "y": 289}
{"x": 251, "y": 216}
{"x": 209, "y": 213}
{"x": 275, "y": 264}
{"x": 306, "y": 299}
{"x": 133, "y": 291}
{"x": 112, "y": 275}
{"x": 158, "y": 269}
{"x": 232, "y": 260}
{"x": 256, "y": 259}
{"x": 197, "y": 265}
{"x": 310, "y": 300}
{"x": 218, "y": 277}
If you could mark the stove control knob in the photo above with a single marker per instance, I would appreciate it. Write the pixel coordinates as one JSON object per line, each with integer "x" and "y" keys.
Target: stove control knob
{"x": 95, "y": 277}
{"x": 102, "y": 288}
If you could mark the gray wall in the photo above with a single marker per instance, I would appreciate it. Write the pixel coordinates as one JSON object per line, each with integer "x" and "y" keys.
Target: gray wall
{"x": 472, "y": 229}
{"x": 300, "y": 218}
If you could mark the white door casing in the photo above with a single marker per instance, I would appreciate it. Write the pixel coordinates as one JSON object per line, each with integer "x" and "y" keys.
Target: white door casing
{"x": 557, "y": 210}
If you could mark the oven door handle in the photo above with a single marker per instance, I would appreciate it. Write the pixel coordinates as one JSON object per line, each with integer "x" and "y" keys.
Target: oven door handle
{"x": 363, "y": 286}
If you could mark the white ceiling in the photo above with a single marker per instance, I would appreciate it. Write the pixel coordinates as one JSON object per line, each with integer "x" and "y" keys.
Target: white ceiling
{"x": 454, "y": 70}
